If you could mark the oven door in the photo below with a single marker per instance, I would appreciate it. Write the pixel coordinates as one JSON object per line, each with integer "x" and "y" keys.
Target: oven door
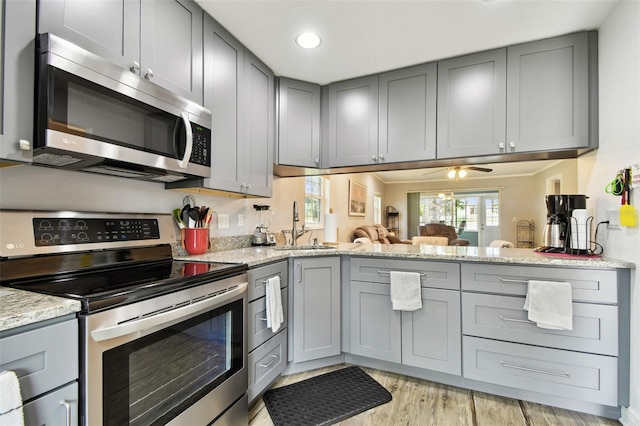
{"x": 179, "y": 357}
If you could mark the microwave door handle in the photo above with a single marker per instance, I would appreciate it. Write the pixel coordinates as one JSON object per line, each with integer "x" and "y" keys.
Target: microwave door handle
{"x": 165, "y": 319}
{"x": 187, "y": 152}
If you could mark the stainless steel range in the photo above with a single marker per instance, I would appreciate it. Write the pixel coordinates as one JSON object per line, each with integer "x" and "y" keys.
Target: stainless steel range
{"x": 162, "y": 341}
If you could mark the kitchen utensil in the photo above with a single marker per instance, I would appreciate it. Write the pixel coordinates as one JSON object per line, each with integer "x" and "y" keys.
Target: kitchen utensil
{"x": 194, "y": 215}
{"x": 184, "y": 214}
{"x": 176, "y": 216}
{"x": 627, "y": 211}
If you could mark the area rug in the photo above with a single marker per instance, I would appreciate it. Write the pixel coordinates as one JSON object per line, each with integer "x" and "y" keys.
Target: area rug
{"x": 325, "y": 399}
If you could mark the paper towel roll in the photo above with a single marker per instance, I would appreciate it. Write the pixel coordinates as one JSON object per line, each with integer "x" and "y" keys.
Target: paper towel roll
{"x": 331, "y": 227}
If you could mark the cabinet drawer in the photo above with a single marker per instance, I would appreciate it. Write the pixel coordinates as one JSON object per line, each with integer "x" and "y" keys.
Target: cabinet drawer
{"x": 257, "y": 325}
{"x": 433, "y": 274}
{"x": 49, "y": 410}
{"x": 44, "y": 358}
{"x": 588, "y": 285}
{"x": 568, "y": 374}
{"x": 595, "y": 327}
{"x": 258, "y": 278}
{"x": 266, "y": 363}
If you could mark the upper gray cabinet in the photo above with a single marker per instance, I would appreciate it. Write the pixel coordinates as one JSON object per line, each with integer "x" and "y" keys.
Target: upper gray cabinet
{"x": 17, "y": 30}
{"x": 298, "y": 123}
{"x": 353, "y": 122}
{"x": 407, "y": 129}
{"x": 548, "y": 96}
{"x": 160, "y": 41}
{"x": 471, "y": 104}
{"x": 537, "y": 96}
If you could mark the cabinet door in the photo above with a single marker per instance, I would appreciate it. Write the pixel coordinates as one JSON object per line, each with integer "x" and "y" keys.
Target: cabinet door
{"x": 59, "y": 407}
{"x": 431, "y": 335}
{"x": 108, "y": 28}
{"x": 353, "y": 122}
{"x": 171, "y": 46}
{"x": 471, "y": 105}
{"x": 375, "y": 326}
{"x": 298, "y": 123}
{"x": 259, "y": 121}
{"x": 17, "y": 47}
{"x": 548, "y": 94}
{"x": 223, "y": 72}
{"x": 408, "y": 114}
{"x": 316, "y": 308}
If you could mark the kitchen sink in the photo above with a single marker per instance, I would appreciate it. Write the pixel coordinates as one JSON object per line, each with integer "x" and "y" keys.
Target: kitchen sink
{"x": 309, "y": 247}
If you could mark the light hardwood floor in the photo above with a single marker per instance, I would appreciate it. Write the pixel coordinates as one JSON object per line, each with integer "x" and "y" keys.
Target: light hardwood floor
{"x": 421, "y": 402}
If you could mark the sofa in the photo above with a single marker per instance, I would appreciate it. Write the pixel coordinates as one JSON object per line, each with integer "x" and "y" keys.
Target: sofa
{"x": 442, "y": 230}
{"x": 375, "y": 234}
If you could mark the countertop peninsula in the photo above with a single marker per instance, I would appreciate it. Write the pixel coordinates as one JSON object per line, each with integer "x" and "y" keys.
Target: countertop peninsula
{"x": 255, "y": 256}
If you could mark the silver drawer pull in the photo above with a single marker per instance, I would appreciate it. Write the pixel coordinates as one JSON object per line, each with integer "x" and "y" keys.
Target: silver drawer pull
{"x": 422, "y": 274}
{"x": 263, "y": 319}
{"x": 533, "y": 370}
{"x": 515, "y": 320}
{"x": 262, "y": 284}
{"x": 275, "y": 359}
{"x": 508, "y": 281}
{"x": 67, "y": 410}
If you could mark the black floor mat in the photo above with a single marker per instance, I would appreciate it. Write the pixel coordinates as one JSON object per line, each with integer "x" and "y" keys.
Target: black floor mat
{"x": 325, "y": 399}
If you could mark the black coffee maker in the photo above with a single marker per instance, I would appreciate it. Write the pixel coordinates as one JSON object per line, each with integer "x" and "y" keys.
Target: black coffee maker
{"x": 556, "y": 230}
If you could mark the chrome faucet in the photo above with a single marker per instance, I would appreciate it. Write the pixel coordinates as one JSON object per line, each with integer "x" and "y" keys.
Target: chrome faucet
{"x": 295, "y": 233}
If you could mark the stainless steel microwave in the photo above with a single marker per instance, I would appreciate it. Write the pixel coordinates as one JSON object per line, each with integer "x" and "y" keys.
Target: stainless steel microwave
{"x": 92, "y": 115}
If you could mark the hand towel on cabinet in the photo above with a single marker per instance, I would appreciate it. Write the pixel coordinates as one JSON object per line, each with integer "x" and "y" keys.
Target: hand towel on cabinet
{"x": 275, "y": 315}
{"x": 11, "y": 413}
{"x": 549, "y": 304}
{"x": 405, "y": 291}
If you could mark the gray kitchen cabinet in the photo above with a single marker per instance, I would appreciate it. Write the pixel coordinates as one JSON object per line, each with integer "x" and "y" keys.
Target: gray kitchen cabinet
{"x": 45, "y": 359}
{"x": 471, "y": 104}
{"x": 315, "y": 315}
{"x": 17, "y": 46}
{"x": 548, "y": 94}
{"x": 161, "y": 41}
{"x": 267, "y": 350}
{"x": 298, "y": 123}
{"x": 403, "y": 337}
{"x": 353, "y": 122}
{"x": 502, "y": 347}
{"x": 407, "y": 118}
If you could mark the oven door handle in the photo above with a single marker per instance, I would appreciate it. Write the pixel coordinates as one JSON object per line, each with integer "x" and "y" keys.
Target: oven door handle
{"x": 168, "y": 318}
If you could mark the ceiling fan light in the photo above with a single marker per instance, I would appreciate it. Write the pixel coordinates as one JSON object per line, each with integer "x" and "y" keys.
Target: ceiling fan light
{"x": 451, "y": 174}
{"x": 462, "y": 173}
{"x": 308, "y": 40}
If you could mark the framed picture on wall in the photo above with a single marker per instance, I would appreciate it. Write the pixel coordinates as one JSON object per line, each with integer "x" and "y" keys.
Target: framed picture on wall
{"x": 357, "y": 199}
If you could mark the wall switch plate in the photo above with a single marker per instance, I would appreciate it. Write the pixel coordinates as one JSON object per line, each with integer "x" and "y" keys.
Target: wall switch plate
{"x": 613, "y": 216}
{"x": 240, "y": 219}
{"x": 223, "y": 221}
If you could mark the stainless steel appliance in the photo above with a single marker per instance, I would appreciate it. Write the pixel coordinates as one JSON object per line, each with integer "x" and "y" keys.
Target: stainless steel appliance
{"x": 261, "y": 235}
{"x": 163, "y": 341}
{"x": 92, "y": 115}
{"x": 556, "y": 233}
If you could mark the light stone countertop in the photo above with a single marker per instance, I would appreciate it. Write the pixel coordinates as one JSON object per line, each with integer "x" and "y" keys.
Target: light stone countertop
{"x": 18, "y": 307}
{"x": 256, "y": 256}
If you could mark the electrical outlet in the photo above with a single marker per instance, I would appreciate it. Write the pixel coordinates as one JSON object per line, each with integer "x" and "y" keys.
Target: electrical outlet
{"x": 240, "y": 219}
{"x": 223, "y": 221}
{"x": 613, "y": 216}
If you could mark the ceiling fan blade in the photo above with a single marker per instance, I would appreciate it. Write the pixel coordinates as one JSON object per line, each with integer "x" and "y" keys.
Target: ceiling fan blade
{"x": 478, "y": 169}
{"x": 434, "y": 171}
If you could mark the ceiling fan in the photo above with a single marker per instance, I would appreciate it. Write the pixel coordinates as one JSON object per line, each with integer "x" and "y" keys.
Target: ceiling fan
{"x": 459, "y": 172}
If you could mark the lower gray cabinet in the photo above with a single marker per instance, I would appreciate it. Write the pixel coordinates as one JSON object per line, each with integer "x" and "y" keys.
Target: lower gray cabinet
{"x": 45, "y": 360}
{"x": 315, "y": 319}
{"x": 427, "y": 338}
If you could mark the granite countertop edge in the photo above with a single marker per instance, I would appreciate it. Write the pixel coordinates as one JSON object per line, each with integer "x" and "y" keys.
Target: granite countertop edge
{"x": 19, "y": 308}
{"x": 256, "y": 256}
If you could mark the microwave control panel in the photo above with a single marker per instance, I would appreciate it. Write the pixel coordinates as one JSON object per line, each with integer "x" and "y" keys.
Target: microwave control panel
{"x": 66, "y": 231}
{"x": 201, "y": 151}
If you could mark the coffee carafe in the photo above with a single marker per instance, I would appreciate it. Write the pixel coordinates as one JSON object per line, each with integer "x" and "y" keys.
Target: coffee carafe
{"x": 557, "y": 228}
{"x": 261, "y": 235}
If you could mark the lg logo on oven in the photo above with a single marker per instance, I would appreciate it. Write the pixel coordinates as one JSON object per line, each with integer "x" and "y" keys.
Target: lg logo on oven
{"x": 12, "y": 246}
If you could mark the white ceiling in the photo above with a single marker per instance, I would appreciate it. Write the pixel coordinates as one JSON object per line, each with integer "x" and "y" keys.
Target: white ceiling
{"x": 363, "y": 37}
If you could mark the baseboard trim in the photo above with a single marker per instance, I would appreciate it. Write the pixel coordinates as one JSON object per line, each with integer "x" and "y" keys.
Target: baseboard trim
{"x": 629, "y": 417}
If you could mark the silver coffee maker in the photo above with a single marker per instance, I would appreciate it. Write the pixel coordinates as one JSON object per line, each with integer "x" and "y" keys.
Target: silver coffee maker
{"x": 556, "y": 230}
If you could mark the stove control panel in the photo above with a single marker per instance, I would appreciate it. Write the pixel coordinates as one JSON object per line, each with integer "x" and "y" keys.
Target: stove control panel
{"x": 49, "y": 231}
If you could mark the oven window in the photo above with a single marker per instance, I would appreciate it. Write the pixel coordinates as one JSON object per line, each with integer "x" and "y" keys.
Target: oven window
{"x": 153, "y": 379}
{"x": 86, "y": 109}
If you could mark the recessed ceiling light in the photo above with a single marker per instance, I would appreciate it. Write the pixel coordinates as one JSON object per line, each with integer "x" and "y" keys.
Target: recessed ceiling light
{"x": 308, "y": 40}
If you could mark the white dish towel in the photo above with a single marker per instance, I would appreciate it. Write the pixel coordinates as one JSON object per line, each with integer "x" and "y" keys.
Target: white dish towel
{"x": 549, "y": 304}
{"x": 275, "y": 316}
{"x": 405, "y": 291}
{"x": 11, "y": 413}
